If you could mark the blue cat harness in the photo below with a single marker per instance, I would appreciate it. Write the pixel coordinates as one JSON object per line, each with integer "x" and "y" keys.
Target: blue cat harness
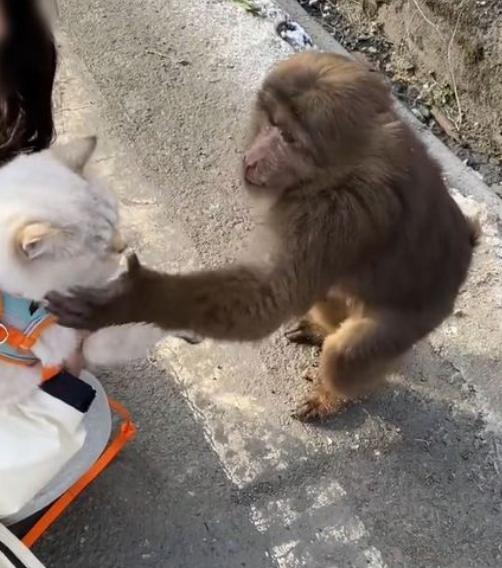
{"x": 22, "y": 322}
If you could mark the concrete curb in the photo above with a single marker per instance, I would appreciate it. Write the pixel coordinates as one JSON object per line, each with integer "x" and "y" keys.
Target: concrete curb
{"x": 459, "y": 176}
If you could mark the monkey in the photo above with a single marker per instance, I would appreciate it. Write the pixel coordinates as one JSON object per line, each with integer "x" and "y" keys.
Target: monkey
{"x": 367, "y": 240}
{"x": 28, "y": 63}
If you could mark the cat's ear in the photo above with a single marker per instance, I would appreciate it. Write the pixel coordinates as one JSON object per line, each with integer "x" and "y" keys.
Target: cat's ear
{"x": 37, "y": 239}
{"x": 76, "y": 154}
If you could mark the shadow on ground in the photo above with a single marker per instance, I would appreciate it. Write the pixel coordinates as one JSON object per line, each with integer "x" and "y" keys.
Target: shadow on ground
{"x": 165, "y": 502}
{"x": 422, "y": 474}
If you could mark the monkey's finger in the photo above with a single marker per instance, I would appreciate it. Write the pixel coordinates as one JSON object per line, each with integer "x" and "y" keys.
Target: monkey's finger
{"x": 305, "y": 333}
{"x": 56, "y": 302}
{"x": 303, "y": 336}
{"x": 66, "y": 308}
{"x": 294, "y": 333}
{"x": 316, "y": 407}
{"x": 75, "y": 317}
{"x": 308, "y": 411}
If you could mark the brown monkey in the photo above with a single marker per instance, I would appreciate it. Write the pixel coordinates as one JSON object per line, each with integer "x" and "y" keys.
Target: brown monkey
{"x": 367, "y": 236}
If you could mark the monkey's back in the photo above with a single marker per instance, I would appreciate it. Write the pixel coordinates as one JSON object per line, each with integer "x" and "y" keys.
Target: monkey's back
{"x": 426, "y": 260}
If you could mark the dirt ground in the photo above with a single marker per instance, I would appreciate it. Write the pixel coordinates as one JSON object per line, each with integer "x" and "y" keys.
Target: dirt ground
{"x": 444, "y": 58}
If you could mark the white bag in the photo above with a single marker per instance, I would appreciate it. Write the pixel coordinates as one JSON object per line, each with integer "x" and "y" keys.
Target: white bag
{"x": 38, "y": 436}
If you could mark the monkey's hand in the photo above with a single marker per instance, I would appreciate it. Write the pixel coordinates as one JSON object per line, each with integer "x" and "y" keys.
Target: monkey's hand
{"x": 94, "y": 308}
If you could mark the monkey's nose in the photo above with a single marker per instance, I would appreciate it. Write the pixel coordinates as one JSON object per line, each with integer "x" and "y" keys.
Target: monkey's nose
{"x": 250, "y": 173}
{"x": 250, "y": 170}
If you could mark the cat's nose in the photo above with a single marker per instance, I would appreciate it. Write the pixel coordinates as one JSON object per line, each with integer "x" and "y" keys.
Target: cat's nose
{"x": 118, "y": 243}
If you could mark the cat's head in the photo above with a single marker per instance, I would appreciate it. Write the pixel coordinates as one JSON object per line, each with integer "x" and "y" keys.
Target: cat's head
{"x": 58, "y": 229}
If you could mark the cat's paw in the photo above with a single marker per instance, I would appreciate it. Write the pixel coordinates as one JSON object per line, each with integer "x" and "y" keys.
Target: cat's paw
{"x": 56, "y": 345}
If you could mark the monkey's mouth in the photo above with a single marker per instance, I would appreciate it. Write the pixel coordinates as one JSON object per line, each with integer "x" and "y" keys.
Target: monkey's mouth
{"x": 253, "y": 181}
{"x": 252, "y": 176}
{"x": 254, "y": 184}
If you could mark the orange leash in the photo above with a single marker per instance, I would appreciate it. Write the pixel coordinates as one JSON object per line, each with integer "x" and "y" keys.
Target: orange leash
{"x": 126, "y": 433}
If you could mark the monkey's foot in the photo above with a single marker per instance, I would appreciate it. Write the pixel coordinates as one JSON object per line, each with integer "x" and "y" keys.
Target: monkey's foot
{"x": 305, "y": 333}
{"x": 319, "y": 406}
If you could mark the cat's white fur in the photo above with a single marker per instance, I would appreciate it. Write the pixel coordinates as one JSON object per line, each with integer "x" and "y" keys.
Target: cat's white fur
{"x": 58, "y": 230}
{"x": 119, "y": 344}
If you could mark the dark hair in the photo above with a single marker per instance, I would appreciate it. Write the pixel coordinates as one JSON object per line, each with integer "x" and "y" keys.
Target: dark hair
{"x": 27, "y": 67}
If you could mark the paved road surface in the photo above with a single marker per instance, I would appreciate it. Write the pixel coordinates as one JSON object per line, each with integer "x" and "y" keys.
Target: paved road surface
{"x": 220, "y": 476}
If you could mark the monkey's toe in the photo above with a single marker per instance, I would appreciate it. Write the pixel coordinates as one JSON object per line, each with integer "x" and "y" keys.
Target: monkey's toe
{"x": 308, "y": 411}
{"x": 313, "y": 409}
{"x": 318, "y": 407}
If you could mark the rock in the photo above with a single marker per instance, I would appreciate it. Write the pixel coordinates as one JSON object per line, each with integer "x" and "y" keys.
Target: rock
{"x": 445, "y": 123}
{"x": 463, "y": 153}
{"x": 413, "y": 93}
{"x": 416, "y": 112}
{"x": 489, "y": 173}
{"x": 424, "y": 110}
{"x": 479, "y": 158}
{"x": 294, "y": 34}
{"x": 370, "y": 7}
{"x": 400, "y": 89}
{"x": 497, "y": 138}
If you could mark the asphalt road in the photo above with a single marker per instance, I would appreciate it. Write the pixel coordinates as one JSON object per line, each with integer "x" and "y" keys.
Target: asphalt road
{"x": 220, "y": 476}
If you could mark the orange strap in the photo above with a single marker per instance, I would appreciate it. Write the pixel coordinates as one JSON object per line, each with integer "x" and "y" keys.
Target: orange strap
{"x": 126, "y": 433}
{"x": 11, "y": 336}
{"x": 49, "y": 373}
{"x": 18, "y": 340}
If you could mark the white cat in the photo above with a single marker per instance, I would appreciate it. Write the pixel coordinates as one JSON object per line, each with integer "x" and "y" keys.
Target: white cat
{"x": 58, "y": 230}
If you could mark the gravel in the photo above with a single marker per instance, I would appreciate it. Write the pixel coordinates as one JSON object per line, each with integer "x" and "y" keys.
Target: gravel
{"x": 373, "y": 47}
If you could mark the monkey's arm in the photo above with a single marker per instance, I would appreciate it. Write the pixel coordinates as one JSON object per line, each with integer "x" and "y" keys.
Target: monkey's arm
{"x": 242, "y": 302}
{"x": 237, "y": 303}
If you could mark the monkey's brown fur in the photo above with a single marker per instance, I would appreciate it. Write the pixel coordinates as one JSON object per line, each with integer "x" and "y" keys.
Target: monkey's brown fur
{"x": 369, "y": 241}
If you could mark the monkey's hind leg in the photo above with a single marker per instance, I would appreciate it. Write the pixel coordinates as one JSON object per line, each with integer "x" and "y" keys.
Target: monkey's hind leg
{"x": 320, "y": 322}
{"x": 354, "y": 361}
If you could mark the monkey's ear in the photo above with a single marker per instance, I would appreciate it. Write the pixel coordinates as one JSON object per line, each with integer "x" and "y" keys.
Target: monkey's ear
{"x": 37, "y": 239}
{"x": 76, "y": 154}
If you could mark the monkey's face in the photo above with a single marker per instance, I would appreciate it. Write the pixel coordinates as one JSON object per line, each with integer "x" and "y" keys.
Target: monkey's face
{"x": 280, "y": 154}
{"x": 314, "y": 112}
